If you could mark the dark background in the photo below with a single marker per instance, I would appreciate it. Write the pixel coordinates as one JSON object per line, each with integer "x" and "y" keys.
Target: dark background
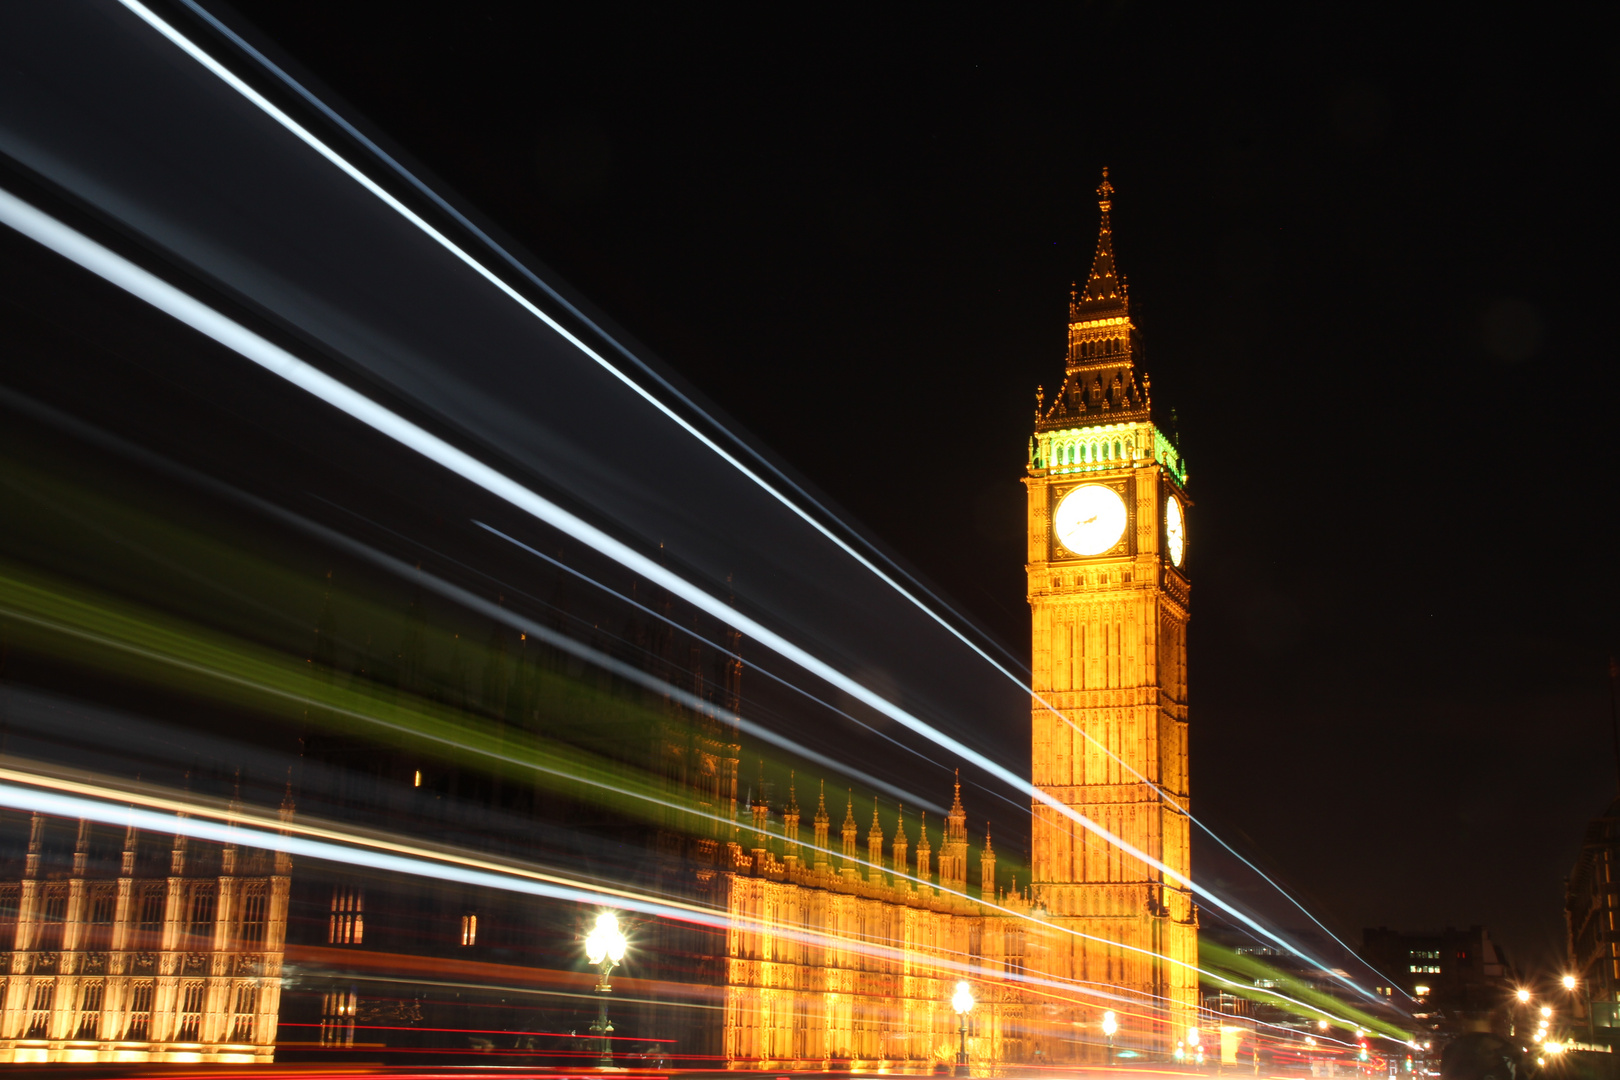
{"x": 1369, "y": 253}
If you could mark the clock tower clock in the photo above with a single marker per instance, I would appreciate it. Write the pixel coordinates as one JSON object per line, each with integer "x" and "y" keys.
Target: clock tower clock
{"x": 1108, "y": 592}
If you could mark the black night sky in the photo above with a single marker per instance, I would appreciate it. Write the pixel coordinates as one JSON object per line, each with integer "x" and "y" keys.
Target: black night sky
{"x": 1370, "y": 258}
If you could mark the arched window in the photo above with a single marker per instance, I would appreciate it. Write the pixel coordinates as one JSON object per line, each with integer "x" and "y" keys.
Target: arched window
{"x": 1104, "y": 449}
{"x": 1117, "y": 449}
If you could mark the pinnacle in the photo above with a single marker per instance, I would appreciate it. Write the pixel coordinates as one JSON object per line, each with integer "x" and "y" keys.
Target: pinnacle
{"x": 1103, "y": 293}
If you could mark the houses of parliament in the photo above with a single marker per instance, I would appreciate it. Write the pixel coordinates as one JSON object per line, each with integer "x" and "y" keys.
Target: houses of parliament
{"x": 844, "y": 937}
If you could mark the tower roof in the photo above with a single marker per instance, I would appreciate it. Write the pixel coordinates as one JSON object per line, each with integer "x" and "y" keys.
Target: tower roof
{"x": 1100, "y": 381}
{"x": 1103, "y": 294}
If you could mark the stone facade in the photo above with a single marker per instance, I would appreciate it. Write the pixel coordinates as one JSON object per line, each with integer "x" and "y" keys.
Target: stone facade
{"x": 856, "y": 962}
{"x": 164, "y": 951}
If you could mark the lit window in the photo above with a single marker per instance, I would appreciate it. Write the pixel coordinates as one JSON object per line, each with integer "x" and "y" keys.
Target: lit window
{"x": 337, "y": 1018}
{"x": 90, "y": 999}
{"x": 192, "y": 995}
{"x": 253, "y": 914}
{"x": 469, "y": 929}
{"x": 348, "y": 921}
{"x": 246, "y": 1013}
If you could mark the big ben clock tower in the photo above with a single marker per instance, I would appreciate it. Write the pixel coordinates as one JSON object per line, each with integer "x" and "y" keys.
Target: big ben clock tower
{"x": 1108, "y": 592}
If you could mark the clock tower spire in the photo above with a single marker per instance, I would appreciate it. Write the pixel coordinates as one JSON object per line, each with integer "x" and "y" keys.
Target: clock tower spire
{"x": 1109, "y": 594}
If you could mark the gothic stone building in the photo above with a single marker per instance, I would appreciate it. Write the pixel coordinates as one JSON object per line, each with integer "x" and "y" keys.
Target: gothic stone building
{"x": 139, "y": 948}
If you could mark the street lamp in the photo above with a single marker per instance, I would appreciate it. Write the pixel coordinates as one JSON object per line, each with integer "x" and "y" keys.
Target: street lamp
{"x": 962, "y": 1002}
{"x": 1110, "y": 1025}
{"x": 604, "y": 947}
{"x": 1523, "y": 995}
{"x": 1569, "y": 982}
{"x": 1192, "y": 1041}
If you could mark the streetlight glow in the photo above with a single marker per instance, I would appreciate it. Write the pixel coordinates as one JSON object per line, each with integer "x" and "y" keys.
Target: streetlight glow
{"x": 604, "y": 948}
{"x": 1192, "y": 1036}
{"x": 1522, "y": 994}
{"x": 962, "y": 1002}
{"x": 605, "y": 941}
{"x": 1569, "y": 982}
{"x": 1110, "y": 1024}
{"x": 1546, "y": 1010}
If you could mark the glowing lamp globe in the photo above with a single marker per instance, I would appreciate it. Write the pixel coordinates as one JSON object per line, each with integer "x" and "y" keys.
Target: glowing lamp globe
{"x": 1192, "y": 1036}
{"x": 1110, "y": 1025}
{"x": 1546, "y": 1010}
{"x": 1569, "y": 982}
{"x": 605, "y": 942}
{"x": 1522, "y": 994}
{"x": 962, "y": 1000}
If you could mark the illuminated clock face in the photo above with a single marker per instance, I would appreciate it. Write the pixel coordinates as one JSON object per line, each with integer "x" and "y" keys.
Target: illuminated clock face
{"x": 1175, "y": 530}
{"x": 1090, "y": 519}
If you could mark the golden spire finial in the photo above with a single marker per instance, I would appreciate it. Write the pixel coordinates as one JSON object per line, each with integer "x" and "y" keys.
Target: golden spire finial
{"x": 1105, "y": 192}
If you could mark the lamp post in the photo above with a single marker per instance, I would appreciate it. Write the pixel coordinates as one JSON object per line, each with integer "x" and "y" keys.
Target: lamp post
{"x": 1110, "y": 1025}
{"x": 962, "y": 1002}
{"x": 604, "y": 947}
{"x": 1573, "y": 986}
{"x": 1522, "y": 996}
{"x": 1192, "y": 1041}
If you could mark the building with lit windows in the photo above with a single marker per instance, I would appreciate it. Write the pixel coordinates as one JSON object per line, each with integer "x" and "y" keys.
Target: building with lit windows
{"x": 1463, "y": 972}
{"x": 122, "y": 946}
{"x": 1592, "y": 914}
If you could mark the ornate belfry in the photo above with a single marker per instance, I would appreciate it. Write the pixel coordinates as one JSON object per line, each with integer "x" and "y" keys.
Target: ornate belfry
{"x": 1108, "y": 594}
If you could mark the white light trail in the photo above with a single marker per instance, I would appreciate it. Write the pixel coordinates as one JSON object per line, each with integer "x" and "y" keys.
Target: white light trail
{"x": 558, "y": 298}
{"x": 85, "y": 798}
{"x": 146, "y": 286}
{"x": 225, "y": 75}
{"x": 303, "y": 134}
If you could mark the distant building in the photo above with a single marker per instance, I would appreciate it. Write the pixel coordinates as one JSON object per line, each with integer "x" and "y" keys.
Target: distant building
{"x": 1462, "y": 972}
{"x": 1592, "y": 911}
